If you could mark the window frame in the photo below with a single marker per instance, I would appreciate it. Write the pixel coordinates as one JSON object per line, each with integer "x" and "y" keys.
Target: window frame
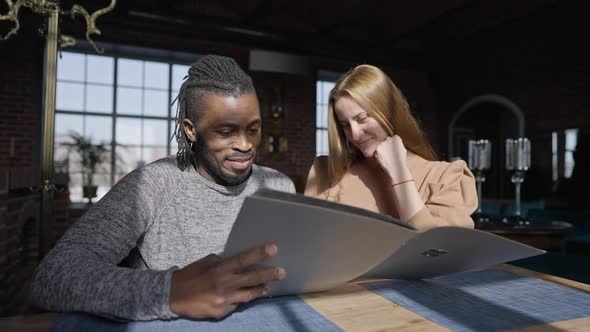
{"x": 323, "y": 77}
{"x": 117, "y": 52}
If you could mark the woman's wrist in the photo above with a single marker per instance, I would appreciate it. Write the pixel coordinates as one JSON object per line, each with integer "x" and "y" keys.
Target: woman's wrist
{"x": 399, "y": 175}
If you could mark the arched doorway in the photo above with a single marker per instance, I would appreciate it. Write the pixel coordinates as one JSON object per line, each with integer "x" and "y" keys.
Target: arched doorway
{"x": 491, "y": 117}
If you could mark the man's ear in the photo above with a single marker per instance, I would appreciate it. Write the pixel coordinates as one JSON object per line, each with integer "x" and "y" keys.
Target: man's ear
{"x": 189, "y": 129}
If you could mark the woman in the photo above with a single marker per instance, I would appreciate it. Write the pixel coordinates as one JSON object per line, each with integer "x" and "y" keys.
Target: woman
{"x": 381, "y": 161}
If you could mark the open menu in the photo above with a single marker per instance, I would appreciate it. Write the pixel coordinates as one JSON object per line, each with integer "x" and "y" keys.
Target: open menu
{"x": 324, "y": 244}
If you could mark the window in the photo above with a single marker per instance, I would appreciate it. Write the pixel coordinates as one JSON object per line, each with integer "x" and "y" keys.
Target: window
{"x": 121, "y": 102}
{"x": 563, "y": 146}
{"x": 571, "y": 140}
{"x": 325, "y": 84}
{"x": 323, "y": 89}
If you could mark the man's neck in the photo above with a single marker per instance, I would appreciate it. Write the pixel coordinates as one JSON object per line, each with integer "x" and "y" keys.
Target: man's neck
{"x": 204, "y": 172}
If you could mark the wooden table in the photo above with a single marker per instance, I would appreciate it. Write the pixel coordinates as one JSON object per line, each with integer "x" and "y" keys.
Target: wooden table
{"x": 546, "y": 236}
{"x": 354, "y": 308}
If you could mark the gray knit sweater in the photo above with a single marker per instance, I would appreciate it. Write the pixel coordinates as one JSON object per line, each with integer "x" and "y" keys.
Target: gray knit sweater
{"x": 159, "y": 219}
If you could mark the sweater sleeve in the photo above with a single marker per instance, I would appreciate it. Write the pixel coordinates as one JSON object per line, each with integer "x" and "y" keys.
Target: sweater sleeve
{"x": 81, "y": 274}
{"x": 450, "y": 201}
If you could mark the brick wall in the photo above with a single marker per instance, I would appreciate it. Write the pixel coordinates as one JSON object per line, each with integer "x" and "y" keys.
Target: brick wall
{"x": 21, "y": 61}
{"x": 20, "y": 103}
{"x": 19, "y": 225}
{"x": 297, "y": 125}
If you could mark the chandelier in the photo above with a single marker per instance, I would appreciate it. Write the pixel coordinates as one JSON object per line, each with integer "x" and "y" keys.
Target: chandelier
{"x": 46, "y": 8}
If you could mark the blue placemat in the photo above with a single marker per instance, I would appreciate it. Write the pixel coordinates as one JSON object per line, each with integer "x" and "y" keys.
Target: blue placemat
{"x": 488, "y": 300}
{"x": 285, "y": 313}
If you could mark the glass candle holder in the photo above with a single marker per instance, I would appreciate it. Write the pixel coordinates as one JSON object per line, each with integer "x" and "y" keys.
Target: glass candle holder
{"x": 480, "y": 161}
{"x": 518, "y": 161}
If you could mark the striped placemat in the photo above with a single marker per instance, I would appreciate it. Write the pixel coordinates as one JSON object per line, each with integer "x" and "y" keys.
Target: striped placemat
{"x": 285, "y": 313}
{"x": 489, "y": 300}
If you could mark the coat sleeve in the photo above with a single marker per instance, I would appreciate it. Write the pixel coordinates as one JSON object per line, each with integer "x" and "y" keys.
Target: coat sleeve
{"x": 450, "y": 201}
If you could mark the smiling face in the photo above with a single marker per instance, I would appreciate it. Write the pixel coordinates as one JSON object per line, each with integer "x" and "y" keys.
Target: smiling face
{"x": 226, "y": 137}
{"x": 361, "y": 130}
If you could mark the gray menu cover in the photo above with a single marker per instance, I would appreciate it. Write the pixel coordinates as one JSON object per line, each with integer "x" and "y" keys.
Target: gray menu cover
{"x": 324, "y": 244}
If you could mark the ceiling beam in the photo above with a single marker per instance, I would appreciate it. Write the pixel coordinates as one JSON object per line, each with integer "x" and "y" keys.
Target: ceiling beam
{"x": 222, "y": 30}
{"x": 260, "y": 12}
{"x": 471, "y": 18}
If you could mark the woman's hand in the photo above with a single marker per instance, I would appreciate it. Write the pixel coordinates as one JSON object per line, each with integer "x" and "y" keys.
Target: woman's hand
{"x": 391, "y": 155}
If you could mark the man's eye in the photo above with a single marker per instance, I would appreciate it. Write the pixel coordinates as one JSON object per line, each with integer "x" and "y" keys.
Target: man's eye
{"x": 225, "y": 132}
{"x": 254, "y": 130}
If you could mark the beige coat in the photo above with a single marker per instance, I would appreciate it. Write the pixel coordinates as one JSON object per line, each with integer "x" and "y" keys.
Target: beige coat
{"x": 447, "y": 190}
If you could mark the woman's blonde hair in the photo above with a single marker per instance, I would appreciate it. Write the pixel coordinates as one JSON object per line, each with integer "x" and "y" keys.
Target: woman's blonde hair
{"x": 375, "y": 93}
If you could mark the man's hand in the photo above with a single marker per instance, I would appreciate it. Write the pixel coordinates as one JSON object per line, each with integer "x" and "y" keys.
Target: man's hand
{"x": 213, "y": 286}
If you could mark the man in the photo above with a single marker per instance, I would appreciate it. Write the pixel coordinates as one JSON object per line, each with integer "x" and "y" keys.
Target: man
{"x": 166, "y": 217}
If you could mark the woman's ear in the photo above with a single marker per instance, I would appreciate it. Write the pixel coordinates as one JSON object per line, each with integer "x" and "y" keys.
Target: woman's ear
{"x": 189, "y": 129}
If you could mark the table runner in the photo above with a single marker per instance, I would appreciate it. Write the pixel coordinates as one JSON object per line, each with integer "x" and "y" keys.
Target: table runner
{"x": 489, "y": 300}
{"x": 286, "y": 313}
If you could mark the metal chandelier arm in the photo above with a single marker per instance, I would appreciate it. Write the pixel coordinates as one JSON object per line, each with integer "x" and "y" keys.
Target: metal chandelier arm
{"x": 46, "y": 7}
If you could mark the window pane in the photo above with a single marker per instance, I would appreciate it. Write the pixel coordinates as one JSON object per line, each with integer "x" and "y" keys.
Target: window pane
{"x": 173, "y": 96}
{"x": 129, "y": 101}
{"x": 178, "y": 73}
{"x": 156, "y": 75}
{"x": 554, "y": 159}
{"x": 99, "y": 128}
{"x": 569, "y": 164}
{"x": 70, "y": 96}
{"x": 155, "y": 103}
{"x": 128, "y": 131}
{"x": 153, "y": 153}
{"x": 103, "y": 181}
{"x": 571, "y": 138}
{"x": 328, "y": 86}
{"x": 318, "y": 116}
{"x": 128, "y": 159}
{"x": 129, "y": 72}
{"x": 100, "y": 69}
{"x": 173, "y": 143}
{"x": 70, "y": 66}
{"x": 318, "y": 93}
{"x": 325, "y": 148}
{"x": 318, "y": 143}
{"x": 75, "y": 186}
{"x": 65, "y": 124}
{"x": 99, "y": 98}
{"x": 155, "y": 132}
{"x": 322, "y": 146}
{"x": 102, "y": 174}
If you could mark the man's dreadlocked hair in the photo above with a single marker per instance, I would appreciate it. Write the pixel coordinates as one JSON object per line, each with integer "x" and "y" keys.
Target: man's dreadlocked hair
{"x": 214, "y": 74}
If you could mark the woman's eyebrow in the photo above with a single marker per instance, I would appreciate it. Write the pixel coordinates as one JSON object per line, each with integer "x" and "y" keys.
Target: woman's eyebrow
{"x": 359, "y": 114}
{"x": 354, "y": 117}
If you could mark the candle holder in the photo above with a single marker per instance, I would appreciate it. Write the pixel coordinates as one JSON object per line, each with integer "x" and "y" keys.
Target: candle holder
{"x": 480, "y": 160}
{"x": 518, "y": 161}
